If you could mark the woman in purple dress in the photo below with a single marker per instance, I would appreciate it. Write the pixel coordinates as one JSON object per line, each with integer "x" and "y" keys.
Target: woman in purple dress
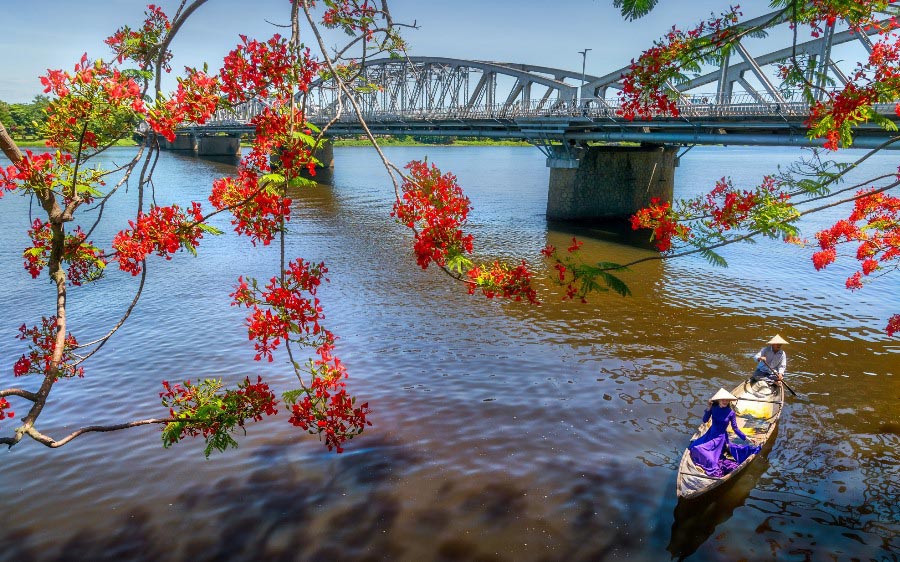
{"x": 708, "y": 451}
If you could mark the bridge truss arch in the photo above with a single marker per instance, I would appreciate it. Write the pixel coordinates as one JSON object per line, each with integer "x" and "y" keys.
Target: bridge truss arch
{"x": 755, "y": 77}
{"x": 440, "y": 87}
{"x": 740, "y": 102}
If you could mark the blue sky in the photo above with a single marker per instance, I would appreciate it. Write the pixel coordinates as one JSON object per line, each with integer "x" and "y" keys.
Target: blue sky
{"x": 54, "y": 33}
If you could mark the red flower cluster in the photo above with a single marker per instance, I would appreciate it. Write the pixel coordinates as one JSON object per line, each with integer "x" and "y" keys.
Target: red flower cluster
{"x": 91, "y": 98}
{"x": 500, "y": 280}
{"x": 282, "y": 310}
{"x": 43, "y": 343}
{"x": 259, "y": 211}
{"x": 33, "y": 171}
{"x": 569, "y": 272}
{"x": 877, "y": 81}
{"x": 834, "y": 118}
{"x": 434, "y": 206}
{"x": 264, "y": 69}
{"x": 142, "y": 46}
{"x": 893, "y": 325}
{"x": 647, "y": 88}
{"x": 163, "y": 230}
{"x": 875, "y": 224}
{"x": 326, "y": 408}
{"x": 202, "y": 410}
{"x": 660, "y": 217}
{"x": 195, "y": 100}
{"x": 5, "y": 411}
{"x": 267, "y": 70}
{"x": 85, "y": 260}
{"x": 352, "y": 16}
{"x": 857, "y": 14}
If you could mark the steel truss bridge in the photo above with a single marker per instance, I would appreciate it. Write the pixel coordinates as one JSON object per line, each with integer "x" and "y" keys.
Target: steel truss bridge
{"x": 741, "y": 102}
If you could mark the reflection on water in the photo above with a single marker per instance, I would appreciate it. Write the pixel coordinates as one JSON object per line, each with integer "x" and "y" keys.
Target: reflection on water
{"x": 502, "y": 432}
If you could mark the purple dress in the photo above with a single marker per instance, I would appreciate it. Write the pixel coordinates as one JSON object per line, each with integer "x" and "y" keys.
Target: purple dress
{"x": 708, "y": 451}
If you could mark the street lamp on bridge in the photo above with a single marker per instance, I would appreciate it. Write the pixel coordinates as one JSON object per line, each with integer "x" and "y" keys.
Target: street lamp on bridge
{"x": 583, "y": 63}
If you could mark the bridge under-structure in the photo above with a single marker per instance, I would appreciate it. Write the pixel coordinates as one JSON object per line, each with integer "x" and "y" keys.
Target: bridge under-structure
{"x": 741, "y": 102}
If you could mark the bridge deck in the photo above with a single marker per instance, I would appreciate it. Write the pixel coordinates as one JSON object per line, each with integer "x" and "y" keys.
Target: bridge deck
{"x": 745, "y": 123}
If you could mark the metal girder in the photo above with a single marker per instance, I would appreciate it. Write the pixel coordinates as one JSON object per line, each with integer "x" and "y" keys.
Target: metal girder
{"x": 757, "y": 71}
{"x": 427, "y": 84}
{"x": 729, "y": 73}
{"x": 444, "y": 96}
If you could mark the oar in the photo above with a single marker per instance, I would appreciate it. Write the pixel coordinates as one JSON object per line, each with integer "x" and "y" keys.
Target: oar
{"x": 787, "y": 387}
{"x": 782, "y": 380}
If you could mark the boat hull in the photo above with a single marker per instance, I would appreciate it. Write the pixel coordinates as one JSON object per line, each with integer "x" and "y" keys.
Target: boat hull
{"x": 758, "y": 408}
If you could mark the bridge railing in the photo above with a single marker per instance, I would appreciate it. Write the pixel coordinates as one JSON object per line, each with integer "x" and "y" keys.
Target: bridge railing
{"x": 695, "y": 106}
{"x": 691, "y": 107}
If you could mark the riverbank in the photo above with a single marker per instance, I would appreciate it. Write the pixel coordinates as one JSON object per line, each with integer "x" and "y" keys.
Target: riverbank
{"x": 387, "y": 141}
{"x": 42, "y": 143}
{"x": 450, "y": 141}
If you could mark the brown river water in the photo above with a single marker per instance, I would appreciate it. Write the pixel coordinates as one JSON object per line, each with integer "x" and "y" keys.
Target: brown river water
{"x": 501, "y": 431}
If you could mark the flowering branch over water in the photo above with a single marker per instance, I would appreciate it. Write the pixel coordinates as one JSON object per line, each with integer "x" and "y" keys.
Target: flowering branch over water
{"x": 727, "y": 214}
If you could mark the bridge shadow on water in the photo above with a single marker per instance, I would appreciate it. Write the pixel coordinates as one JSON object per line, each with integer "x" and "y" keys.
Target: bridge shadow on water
{"x": 615, "y": 230}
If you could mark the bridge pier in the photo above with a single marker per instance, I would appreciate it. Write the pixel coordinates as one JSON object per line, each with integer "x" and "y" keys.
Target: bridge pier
{"x": 219, "y": 146}
{"x": 325, "y": 154}
{"x": 181, "y": 142}
{"x": 608, "y": 182}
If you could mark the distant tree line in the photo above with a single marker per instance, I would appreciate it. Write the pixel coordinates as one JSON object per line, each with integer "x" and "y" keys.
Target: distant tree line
{"x": 24, "y": 120}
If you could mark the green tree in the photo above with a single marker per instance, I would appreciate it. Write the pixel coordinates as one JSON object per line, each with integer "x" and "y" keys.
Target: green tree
{"x": 28, "y": 119}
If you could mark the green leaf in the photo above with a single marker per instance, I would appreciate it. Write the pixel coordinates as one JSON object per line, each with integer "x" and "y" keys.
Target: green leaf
{"x": 300, "y": 182}
{"x": 209, "y": 229}
{"x": 459, "y": 263}
{"x": 292, "y": 396}
{"x": 608, "y": 265}
{"x": 714, "y": 258}
{"x": 308, "y": 140}
{"x": 884, "y": 122}
{"x": 634, "y": 9}
{"x": 272, "y": 181}
{"x": 616, "y": 284}
{"x": 811, "y": 186}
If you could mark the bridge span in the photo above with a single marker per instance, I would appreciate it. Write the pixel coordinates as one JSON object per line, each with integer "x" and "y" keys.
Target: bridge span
{"x": 740, "y": 102}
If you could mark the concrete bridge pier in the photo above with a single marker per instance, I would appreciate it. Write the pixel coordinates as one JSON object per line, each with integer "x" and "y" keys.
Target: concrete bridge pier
{"x": 325, "y": 154}
{"x": 219, "y": 146}
{"x": 181, "y": 142}
{"x": 600, "y": 183}
{"x": 325, "y": 168}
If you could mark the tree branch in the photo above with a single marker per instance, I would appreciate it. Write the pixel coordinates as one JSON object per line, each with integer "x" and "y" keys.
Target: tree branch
{"x": 53, "y": 443}
{"x": 20, "y": 393}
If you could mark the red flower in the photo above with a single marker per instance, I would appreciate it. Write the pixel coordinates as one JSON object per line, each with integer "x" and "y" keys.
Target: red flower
{"x": 893, "y": 325}
{"x": 163, "y": 230}
{"x": 258, "y": 211}
{"x": 5, "y": 412}
{"x": 22, "y": 366}
{"x": 576, "y": 245}
{"x": 433, "y": 205}
{"x": 42, "y": 345}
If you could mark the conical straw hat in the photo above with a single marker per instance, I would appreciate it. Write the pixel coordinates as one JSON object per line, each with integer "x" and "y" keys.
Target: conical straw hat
{"x": 723, "y": 395}
{"x": 777, "y": 339}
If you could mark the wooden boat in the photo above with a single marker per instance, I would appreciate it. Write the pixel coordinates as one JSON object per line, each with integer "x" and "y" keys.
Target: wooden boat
{"x": 758, "y": 407}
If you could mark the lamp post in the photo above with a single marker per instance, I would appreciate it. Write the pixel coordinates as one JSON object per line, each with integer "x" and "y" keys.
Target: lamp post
{"x": 583, "y": 64}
